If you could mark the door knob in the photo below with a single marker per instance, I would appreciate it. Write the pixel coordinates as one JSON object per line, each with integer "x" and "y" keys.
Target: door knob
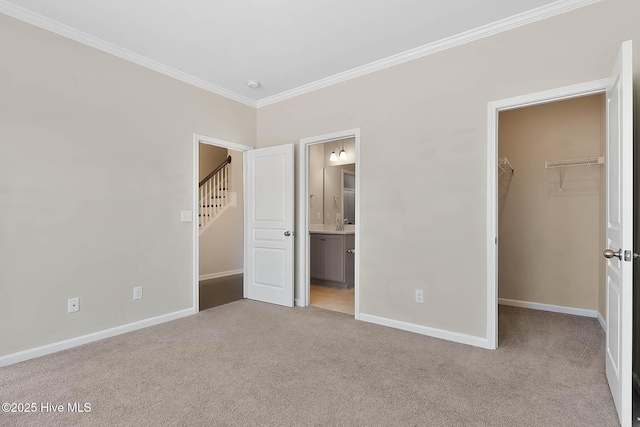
{"x": 351, "y": 251}
{"x": 287, "y": 233}
{"x": 610, "y": 254}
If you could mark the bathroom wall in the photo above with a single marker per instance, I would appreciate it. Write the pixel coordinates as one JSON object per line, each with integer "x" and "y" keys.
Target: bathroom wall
{"x": 316, "y": 178}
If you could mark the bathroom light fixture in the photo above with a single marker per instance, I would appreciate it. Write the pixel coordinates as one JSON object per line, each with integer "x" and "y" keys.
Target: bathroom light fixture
{"x": 343, "y": 154}
{"x": 333, "y": 157}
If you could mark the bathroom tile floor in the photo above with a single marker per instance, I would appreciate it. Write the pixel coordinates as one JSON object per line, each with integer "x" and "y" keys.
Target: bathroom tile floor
{"x": 342, "y": 300}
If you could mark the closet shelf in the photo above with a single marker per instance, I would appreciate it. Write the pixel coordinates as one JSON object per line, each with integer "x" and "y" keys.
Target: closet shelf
{"x": 561, "y": 164}
{"x": 587, "y": 161}
{"x": 504, "y": 166}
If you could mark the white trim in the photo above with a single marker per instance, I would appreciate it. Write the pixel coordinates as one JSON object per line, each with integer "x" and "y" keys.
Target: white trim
{"x": 245, "y": 199}
{"x": 549, "y": 307}
{"x": 297, "y": 302}
{"x": 105, "y": 46}
{"x": 197, "y": 139}
{"x": 540, "y": 13}
{"x": 222, "y": 143}
{"x": 492, "y": 227}
{"x": 603, "y": 322}
{"x": 220, "y": 274}
{"x": 32, "y": 353}
{"x": 558, "y": 94}
{"x": 303, "y": 214}
{"x": 493, "y": 110}
{"x": 426, "y": 330}
{"x": 537, "y": 14}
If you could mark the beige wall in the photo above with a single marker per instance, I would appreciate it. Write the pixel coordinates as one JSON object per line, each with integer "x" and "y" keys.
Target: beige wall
{"x": 96, "y": 212}
{"x": 549, "y": 239}
{"x": 209, "y": 158}
{"x": 96, "y": 162}
{"x": 221, "y": 245}
{"x": 424, "y": 123}
{"x": 316, "y": 173}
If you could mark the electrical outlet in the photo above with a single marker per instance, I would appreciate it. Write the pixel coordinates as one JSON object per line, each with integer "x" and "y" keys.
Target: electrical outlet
{"x": 73, "y": 305}
{"x": 318, "y": 215}
{"x": 419, "y": 296}
{"x": 137, "y": 292}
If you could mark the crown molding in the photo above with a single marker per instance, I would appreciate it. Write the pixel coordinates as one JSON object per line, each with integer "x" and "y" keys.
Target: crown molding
{"x": 540, "y": 13}
{"x": 95, "y": 42}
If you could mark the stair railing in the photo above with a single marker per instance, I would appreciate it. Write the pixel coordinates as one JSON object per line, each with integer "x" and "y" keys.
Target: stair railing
{"x": 214, "y": 193}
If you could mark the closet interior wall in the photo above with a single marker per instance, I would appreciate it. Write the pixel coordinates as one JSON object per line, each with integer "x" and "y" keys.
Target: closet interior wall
{"x": 550, "y": 237}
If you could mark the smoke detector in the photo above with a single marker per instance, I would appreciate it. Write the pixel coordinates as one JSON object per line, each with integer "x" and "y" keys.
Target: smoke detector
{"x": 253, "y": 84}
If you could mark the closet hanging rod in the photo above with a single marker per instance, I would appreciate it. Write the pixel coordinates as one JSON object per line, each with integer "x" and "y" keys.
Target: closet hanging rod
{"x": 587, "y": 161}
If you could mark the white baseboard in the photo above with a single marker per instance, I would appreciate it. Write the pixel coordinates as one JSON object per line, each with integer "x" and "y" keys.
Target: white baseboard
{"x": 603, "y": 323}
{"x": 297, "y": 302}
{"x": 426, "y": 330}
{"x": 220, "y": 274}
{"x": 32, "y": 353}
{"x": 548, "y": 307}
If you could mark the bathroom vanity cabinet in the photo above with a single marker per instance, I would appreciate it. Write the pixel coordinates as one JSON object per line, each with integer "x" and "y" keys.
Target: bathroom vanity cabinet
{"x": 330, "y": 263}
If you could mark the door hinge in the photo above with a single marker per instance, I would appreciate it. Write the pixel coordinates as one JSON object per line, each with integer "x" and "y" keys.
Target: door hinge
{"x": 496, "y": 241}
{"x": 629, "y": 255}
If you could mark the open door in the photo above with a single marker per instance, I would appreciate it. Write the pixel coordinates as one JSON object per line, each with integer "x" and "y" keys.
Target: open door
{"x": 619, "y": 231}
{"x": 269, "y": 225}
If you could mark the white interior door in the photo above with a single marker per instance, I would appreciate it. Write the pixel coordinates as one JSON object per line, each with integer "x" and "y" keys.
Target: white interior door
{"x": 619, "y": 164}
{"x": 269, "y": 225}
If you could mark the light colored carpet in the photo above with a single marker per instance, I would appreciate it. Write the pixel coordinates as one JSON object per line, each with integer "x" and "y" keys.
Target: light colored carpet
{"x": 254, "y": 364}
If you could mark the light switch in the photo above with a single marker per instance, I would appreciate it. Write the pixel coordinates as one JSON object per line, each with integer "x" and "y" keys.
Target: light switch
{"x": 186, "y": 216}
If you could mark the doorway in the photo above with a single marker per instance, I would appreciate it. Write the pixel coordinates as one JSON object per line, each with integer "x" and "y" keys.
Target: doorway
{"x": 551, "y": 208}
{"x": 329, "y": 220}
{"x": 496, "y": 166}
{"x": 619, "y": 217}
{"x": 218, "y": 222}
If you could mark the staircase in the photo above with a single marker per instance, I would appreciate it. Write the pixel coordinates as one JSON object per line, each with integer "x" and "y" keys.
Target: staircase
{"x": 214, "y": 195}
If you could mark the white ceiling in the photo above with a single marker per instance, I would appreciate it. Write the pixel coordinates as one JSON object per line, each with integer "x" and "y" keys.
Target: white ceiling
{"x": 284, "y": 44}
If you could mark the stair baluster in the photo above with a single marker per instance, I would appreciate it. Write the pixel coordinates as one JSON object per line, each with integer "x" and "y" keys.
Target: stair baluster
{"x": 214, "y": 195}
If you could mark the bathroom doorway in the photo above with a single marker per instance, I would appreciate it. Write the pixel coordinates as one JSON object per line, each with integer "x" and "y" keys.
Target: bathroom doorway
{"x": 330, "y": 223}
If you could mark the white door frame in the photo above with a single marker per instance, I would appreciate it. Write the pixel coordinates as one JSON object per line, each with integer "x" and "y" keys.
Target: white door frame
{"x": 197, "y": 139}
{"x": 303, "y": 215}
{"x": 494, "y": 108}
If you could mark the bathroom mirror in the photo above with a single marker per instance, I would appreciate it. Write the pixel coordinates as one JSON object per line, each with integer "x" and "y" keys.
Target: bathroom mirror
{"x": 339, "y": 193}
{"x": 349, "y": 196}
